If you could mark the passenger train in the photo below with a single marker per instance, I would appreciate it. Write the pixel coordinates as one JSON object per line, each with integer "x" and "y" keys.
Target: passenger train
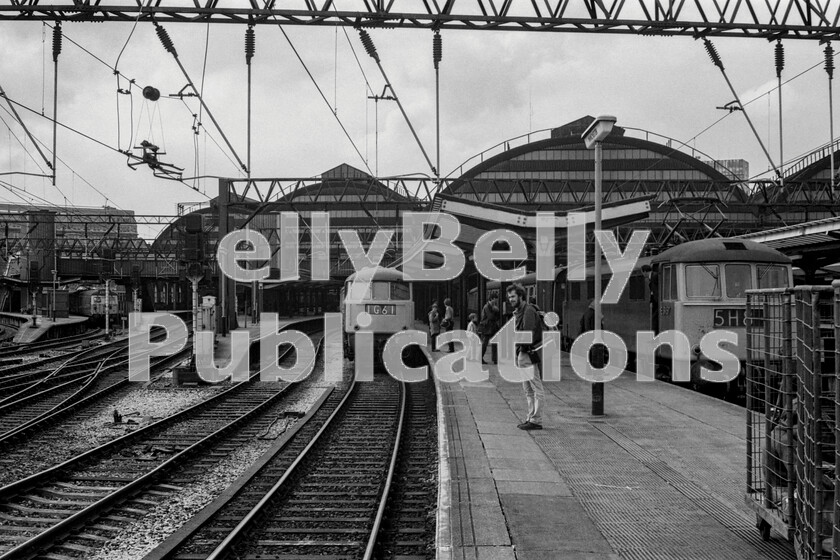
{"x": 693, "y": 288}
{"x": 384, "y": 305}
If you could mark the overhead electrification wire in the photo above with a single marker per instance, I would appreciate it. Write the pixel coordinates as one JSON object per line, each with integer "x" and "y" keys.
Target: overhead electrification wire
{"x": 130, "y": 82}
{"x": 22, "y": 144}
{"x": 716, "y": 60}
{"x": 56, "y": 52}
{"x": 321, "y": 93}
{"x": 82, "y": 134}
{"x": 25, "y": 129}
{"x": 250, "y": 49}
{"x": 204, "y": 74}
{"x": 167, "y": 43}
{"x": 371, "y": 50}
{"x": 780, "y": 65}
{"x": 437, "y": 55}
{"x": 829, "y": 69}
{"x": 753, "y": 100}
{"x": 210, "y": 136}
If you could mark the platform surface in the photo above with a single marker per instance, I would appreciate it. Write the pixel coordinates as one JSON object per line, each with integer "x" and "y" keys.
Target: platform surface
{"x": 28, "y": 333}
{"x": 660, "y": 476}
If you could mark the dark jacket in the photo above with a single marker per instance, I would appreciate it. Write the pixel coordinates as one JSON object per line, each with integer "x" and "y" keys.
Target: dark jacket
{"x": 489, "y": 319}
{"x": 528, "y": 319}
{"x": 587, "y": 322}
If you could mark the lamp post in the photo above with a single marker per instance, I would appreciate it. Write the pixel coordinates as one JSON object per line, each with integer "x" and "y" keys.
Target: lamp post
{"x": 593, "y": 136}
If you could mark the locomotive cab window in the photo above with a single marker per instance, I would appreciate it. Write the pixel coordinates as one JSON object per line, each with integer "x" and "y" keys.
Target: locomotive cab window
{"x": 384, "y": 291}
{"x": 702, "y": 281}
{"x": 738, "y": 280}
{"x": 772, "y": 276}
{"x": 400, "y": 291}
{"x": 668, "y": 283}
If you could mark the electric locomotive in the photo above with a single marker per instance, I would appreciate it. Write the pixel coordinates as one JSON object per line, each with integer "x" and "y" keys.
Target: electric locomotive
{"x": 90, "y": 302}
{"x": 693, "y": 288}
{"x": 381, "y": 303}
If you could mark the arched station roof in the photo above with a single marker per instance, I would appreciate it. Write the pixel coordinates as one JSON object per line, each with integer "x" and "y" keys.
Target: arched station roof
{"x": 559, "y": 171}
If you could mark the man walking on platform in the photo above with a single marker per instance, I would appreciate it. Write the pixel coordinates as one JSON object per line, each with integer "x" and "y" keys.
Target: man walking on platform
{"x": 448, "y": 322}
{"x": 489, "y": 325}
{"x": 434, "y": 325}
{"x": 528, "y": 319}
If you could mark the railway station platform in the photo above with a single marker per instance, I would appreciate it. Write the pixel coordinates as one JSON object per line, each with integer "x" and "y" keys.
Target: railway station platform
{"x": 660, "y": 476}
{"x": 29, "y": 333}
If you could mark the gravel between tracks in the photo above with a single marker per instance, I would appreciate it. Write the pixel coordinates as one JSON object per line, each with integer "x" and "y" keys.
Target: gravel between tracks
{"x": 140, "y": 537}
{"x": 140, "y": 407}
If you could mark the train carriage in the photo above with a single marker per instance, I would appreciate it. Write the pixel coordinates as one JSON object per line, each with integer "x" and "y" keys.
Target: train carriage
{"x": 693, "y": 288}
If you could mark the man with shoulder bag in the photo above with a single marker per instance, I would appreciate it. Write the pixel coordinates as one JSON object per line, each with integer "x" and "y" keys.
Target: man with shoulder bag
{"x": 527, "y": 318}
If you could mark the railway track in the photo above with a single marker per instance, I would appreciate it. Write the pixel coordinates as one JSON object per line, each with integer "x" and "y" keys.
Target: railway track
{"x": 41, "y": 511}
{"x": 325, "y": 496}
{"x": 20, "y": 419}
{"x": 30, "y": 347}
{"x": 20, "y": 385}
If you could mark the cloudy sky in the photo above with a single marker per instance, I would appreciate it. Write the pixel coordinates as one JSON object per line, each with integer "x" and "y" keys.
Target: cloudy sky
{"x": 494, "y": 86}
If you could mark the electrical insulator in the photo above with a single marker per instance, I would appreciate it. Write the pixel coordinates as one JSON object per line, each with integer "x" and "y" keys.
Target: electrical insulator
{"x": 713, "y": 54}
{"x": 165, "y": 40}
{"x": 367, "y": 42}
{"x": 250, "y": 44}
{"x": 780, "y": 58}
{"x": 151, "y": 93}
{"x": 56, "y": 41}
{"x": 829, "y": 61}
{"x": 437, "y": 49}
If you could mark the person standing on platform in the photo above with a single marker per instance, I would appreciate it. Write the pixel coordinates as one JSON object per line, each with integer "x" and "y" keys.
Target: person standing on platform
{"x": 472, "y": 326}
{"x": 528, "y": 319}
{"x": 434, "y": 324}
{"x": 448, "y": 322}
{"x": 489, "y": 326}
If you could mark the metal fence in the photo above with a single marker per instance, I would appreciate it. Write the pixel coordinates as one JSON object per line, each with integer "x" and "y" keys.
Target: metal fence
{"x": 793, "y": 402}
{"x": 816, "y": 402}
{"x": 770, "y": 401}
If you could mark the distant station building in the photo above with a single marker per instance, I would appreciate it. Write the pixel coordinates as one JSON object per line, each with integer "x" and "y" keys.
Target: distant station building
{"x": 733, "y": 169}
{"x": 352, "y": 199}
{"x": 74, "y": 222}
{"x": 558, "y": 174}
{"x": 42, "y": 244}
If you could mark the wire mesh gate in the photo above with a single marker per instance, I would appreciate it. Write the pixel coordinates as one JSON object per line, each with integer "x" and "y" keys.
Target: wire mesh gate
{"x": 793, "y": 401}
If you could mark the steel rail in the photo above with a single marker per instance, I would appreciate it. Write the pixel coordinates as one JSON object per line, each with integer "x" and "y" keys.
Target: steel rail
{"x": 225, "y": 548}
{"x": 383, "y": 502}
{"x": 23, "y": 484}
{"x": 44, "y": 539}
{"x": 71, "y": 362}
{"x": 74, "y": 401}
{"x": 47, "y": 344}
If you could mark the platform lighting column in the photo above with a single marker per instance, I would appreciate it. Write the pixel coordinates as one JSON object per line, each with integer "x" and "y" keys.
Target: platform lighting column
{"x": 54, "y": 275}
{"x": 593, "y": 136}
{"x": 107, "y": 306}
